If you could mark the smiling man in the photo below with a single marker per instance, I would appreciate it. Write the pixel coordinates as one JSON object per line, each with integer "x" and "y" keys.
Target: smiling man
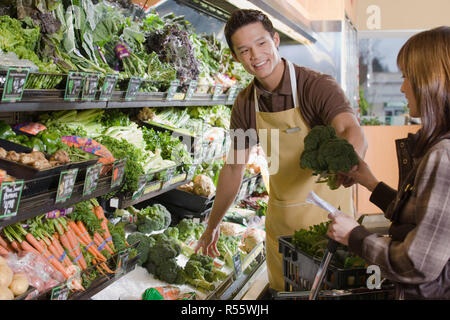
{"x": 278, "y": 109}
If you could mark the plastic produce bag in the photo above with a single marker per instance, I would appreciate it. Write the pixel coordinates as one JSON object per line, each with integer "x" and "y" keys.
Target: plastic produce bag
{"x": 10, "y": 59}
{"x": 167, "y": 293}
{"x": 91, "y": 146}
{"x": 39, "y": 272}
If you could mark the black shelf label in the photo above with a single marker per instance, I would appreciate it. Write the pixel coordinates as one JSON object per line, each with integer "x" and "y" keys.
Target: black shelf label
{"x": 133, "y": 88}
{"x": 16, "y": 79}
{"x": 66, "y": 184}
{"x": 172, "y": 89}
{"x": 118, "y": 172}
{"x": 191, "y": 90}
{"x": 217, "y": 91}
{"x": 91, "y": 179}
{"x": 10, "y": 193}
{"x": 74, "y": 86}
{"x": 109, "y": 83}
{"x": 123, "y": 259}
{"x": 90, "y": 86}
{"x": 60, "y": 293}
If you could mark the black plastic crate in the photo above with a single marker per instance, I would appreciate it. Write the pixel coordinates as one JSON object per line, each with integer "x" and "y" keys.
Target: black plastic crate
{"x": 300, "y": 269}
{"x": 186, "y": 200}
{"x": 182, "y": 213}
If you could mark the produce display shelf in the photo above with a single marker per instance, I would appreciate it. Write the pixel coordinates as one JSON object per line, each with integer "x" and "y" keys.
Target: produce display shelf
{"x": 125, "y": 202}
{"x": 53, "y": 99}
{"x": 233, "y": 286}
{"x": 102, "y": 281}
{"x": 33, "y": 206}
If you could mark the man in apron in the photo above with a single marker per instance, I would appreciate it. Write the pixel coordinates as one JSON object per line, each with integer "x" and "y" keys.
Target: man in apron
{"x": 278, "y": 109}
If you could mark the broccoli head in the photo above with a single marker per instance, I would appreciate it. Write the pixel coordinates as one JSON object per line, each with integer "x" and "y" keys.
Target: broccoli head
{"x": 317, "y": 136}
{"x": 145, "y": 243}
{"x": 326, "y": 154}
{"x": 190, "y": 229}
{"x": 338, "y": 154}
{"x": 153, "y": 218}
{"x": 163, "y": 249}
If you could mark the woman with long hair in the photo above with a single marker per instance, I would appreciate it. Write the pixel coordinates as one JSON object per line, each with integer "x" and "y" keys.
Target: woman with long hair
{"x": 415, "y": 256}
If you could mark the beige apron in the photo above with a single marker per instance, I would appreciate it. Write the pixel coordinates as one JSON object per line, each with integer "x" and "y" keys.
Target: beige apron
{"x": 289, "y": 186}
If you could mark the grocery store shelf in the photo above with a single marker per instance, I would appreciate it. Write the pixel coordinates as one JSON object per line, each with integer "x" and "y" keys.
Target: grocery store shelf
{"x": 33, "y": 206}
{"x": 125, "y": 202}
{"x": 52, "y": 100}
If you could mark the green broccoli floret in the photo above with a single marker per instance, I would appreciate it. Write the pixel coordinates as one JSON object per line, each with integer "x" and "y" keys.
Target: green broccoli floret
{"x": 317, "y": 136}
{"x": 173, "y": 233}
{"x": 201, "y": 272}
{"x": 326, "y": 154}
{"x": 190, "y": 229}
{"x": 163, "y": 249}
{"x": 228, "y": 246}
{"x": 153, "y": 218}
{"x": 338, "y": 154}
{"x": 145, "y": 243}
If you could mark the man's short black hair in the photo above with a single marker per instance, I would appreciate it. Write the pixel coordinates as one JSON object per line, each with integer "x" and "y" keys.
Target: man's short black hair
{"x": 243, "y": 17}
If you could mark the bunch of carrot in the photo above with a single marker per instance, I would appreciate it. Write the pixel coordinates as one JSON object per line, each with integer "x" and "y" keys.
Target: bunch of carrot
{"x": 65, "y": 242}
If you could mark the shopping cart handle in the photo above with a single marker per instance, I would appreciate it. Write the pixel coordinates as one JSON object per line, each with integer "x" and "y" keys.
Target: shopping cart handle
{"x": 332, "y": 246}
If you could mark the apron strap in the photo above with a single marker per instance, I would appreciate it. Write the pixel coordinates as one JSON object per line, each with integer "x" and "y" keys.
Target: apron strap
{"x": 293, "y": 87}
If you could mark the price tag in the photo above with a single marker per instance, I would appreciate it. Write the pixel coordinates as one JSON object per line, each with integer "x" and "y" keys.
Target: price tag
{"x": 60, "y": 293}
{"x": 91, "y": 179}
{"x": 252, "y": 255}
{"x": 178, "y": 178}
{"x": 16, "y": 79}
{"x": 237, "y": 264}
{"x": 133, "y": 88}
{"x": 66, "y": 183}
{"x": 217, "y": 91}
{"x": 141, "y": 186}
{"x": 10, "y": 193}
{"x": 154, "y": 186}
{"x": 74, "y": 86}
{"x": 191, "y": 90}
{"x": 232, "y": 93}
{"x": 109, "y": 83}
{"x": 90, "y": 86}
{"x": 172, "y": 89}
{"x": 118, "y": 172}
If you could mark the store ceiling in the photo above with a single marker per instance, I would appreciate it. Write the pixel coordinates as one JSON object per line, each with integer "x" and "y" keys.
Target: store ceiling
{"x": 290, "y": 31}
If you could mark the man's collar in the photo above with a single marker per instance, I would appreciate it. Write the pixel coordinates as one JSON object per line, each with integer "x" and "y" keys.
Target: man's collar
{"x": 283, "y": 88}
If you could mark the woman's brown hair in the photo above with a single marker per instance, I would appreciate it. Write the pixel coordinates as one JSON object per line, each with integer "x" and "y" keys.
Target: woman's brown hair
{"x": 425, "y": 61}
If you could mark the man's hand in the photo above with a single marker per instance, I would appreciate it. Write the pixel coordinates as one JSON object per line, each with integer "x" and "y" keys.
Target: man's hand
{"x": 347, "y": 127}
{"x": 341, "y": 227}
{"x": 208, "y": 242}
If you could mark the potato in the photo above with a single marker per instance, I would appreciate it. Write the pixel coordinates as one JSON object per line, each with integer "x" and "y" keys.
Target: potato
{"x": 6, "y": 294}
{"x": 19, "y": 284}
{"x": 6, "y": 275}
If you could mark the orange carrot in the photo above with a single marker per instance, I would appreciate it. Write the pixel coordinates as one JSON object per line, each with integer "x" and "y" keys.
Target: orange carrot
{"x": 74, "y": 249}
{"x": 83, "y": 235}
{"x": 101, "y": 243}
{"x": 98, "y": 210}
{"x": 46, "y": 254}
{"x": 3, "y": 251}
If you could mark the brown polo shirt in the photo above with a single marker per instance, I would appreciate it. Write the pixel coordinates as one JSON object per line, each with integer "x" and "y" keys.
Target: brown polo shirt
{"x": 321, "y": 98}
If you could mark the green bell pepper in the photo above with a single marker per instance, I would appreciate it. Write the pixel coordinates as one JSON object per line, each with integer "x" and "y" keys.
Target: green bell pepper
{"x": 51, "y": 141}
{"x": 5, "y": 130}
